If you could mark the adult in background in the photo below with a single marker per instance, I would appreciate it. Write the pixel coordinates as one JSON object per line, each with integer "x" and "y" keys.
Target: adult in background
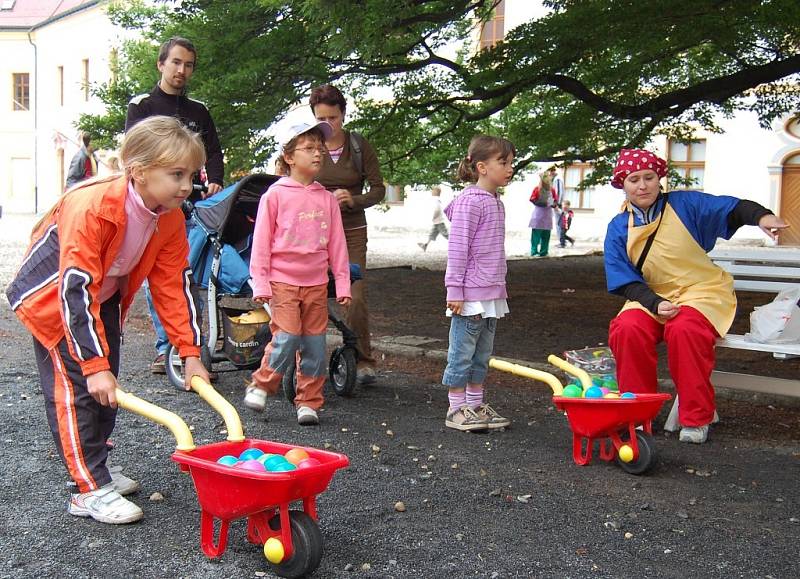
{"x": 84, "y": 164}
{"x": 176, "y": 63}
{"x": 349, "y": 164}
{"x": 544, "y": 201}
{"x": 656, "y": 257}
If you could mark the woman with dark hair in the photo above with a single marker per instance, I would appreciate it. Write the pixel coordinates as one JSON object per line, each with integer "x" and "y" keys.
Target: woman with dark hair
{"x": 349, "y": 164}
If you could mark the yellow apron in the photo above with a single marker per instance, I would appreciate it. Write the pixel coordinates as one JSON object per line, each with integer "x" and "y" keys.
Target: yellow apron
{"x": 679, "y": 270}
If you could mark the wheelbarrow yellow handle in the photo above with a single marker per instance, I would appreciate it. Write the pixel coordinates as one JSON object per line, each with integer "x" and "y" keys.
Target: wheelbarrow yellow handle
{"x": 526, "y": 372}
{"x": 232, "y": 423}
{"x": 157, "y": 414}
{"x": 562, "y": 364}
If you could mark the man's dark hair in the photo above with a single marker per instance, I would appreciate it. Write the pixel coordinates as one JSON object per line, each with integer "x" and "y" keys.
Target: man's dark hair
{"x": 86, "y": 138}
{"x": 176, "y": 41}
{"x": 327, "y": 94}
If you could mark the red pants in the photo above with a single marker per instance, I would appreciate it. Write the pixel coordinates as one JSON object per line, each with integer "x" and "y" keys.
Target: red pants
{"x": 690, "y": 338}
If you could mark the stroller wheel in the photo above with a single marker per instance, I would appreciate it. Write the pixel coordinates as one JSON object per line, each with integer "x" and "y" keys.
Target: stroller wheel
{"x": 174, "y": 365}
{"x": 289, "y": 383}
{"x": 343, "y": 370}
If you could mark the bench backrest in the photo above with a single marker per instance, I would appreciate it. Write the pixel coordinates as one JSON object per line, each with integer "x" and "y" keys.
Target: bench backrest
{"x": 760, "y": 270}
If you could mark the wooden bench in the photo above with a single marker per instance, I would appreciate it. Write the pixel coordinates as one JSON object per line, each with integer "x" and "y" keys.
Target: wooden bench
{"x": 765, "y": 270}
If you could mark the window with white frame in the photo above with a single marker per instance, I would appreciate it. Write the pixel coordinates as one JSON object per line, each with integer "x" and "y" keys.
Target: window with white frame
{"x": 689, "y": 161}
{"x": 579, "y": 197}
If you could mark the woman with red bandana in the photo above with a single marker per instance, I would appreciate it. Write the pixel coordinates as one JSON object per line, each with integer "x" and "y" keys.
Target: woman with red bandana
{"x": 656, "y": 257}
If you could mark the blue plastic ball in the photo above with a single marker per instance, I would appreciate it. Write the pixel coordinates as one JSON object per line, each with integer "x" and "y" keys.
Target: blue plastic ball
{"x": 594, "y": 392}
{"x": 227, "y": 460}
{"x": 250, "y": 454}
{"x": 285, "y": 466}
{"x": 627, "y": 395}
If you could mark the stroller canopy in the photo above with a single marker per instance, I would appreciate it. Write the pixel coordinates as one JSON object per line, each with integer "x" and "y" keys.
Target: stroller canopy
{"x": 229, "y": 216}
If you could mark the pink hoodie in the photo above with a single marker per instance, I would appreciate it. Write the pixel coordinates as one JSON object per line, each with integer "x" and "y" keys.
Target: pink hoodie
{"x": 298, "y": 235}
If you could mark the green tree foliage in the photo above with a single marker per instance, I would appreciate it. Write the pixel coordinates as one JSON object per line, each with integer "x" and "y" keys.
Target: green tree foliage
{"x": 577, "y": 84}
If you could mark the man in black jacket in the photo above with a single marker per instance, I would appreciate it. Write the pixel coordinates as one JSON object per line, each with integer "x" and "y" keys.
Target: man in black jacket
{"x": 176, "y": 62}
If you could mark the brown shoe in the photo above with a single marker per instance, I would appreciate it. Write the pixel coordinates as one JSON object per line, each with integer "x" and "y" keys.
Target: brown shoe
{"x": 159, "y": 365}
{"x": 490, "y": 415}
{"x": 465, "y": 419}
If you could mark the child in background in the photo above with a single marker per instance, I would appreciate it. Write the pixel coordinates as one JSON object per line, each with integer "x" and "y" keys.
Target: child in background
{"x": 476, "y": 281}
{"x": 298, "y": 236}
{"x": 88, "y": 257}
{"x": 438, "y": 227}
{"x": 564, "y": 223}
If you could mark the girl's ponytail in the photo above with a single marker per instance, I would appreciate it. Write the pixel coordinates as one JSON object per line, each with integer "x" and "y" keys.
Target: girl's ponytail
{"x": 467, "y": 172}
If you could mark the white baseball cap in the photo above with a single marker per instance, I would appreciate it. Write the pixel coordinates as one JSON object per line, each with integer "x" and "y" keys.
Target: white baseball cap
{"x": 296, "y": 129}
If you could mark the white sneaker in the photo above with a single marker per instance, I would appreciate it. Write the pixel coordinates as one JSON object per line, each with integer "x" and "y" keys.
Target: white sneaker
{"x": 694, "y": 434}
{"x": 105, "y": 505}
{"x": 122, "y": 484}
{"x": 307, "y": 416}
{"x": 255, "y": 398}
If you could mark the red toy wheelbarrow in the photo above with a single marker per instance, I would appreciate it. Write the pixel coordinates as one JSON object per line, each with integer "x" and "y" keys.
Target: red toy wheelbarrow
{"x": 291, "y": 539}
{"x": 613, "y": 422}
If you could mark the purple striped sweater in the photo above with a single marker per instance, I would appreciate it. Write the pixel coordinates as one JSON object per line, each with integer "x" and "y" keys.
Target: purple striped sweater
{"x": 476, "y": 256}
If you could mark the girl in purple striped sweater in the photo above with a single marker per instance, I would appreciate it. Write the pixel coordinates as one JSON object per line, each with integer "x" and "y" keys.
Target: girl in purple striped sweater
{"x": 476, "y": 280}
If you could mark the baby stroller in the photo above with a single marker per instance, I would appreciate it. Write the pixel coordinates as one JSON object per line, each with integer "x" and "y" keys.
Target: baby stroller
{"x": 220, "y": 236}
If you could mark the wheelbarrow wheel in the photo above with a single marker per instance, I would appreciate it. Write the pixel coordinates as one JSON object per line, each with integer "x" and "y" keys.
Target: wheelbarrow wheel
{"x": 343, "y": 371}
{"x": 306, "y": 544}
{"x": 647, "y": 455}
{"x": 289, "y": 383}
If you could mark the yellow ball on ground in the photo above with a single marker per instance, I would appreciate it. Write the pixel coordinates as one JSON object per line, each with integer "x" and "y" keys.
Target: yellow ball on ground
{"x": 625, "y": 453}
{"x": 273, "y": 550}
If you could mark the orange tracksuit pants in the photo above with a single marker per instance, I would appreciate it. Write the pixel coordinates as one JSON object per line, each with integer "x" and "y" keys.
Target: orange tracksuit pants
{"x": 299, "y": 321}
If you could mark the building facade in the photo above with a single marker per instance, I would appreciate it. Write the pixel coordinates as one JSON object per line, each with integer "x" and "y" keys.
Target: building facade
{"x": 53, "y": 52}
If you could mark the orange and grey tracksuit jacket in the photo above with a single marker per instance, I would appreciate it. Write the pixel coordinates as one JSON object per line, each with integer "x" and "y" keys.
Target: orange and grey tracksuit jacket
{"x": 55, "y": 294}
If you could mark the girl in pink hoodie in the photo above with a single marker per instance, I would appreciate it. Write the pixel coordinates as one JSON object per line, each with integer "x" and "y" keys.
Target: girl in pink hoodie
{"x": 298, "y": 236}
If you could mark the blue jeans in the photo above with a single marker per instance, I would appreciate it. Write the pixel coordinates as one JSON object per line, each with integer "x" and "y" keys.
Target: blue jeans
{"x": 471, "y": 344}
{"x": 162, "y": 342}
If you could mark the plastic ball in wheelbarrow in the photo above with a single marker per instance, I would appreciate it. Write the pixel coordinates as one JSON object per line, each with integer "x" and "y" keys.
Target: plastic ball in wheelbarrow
{"x": 252, "y": 464}
{"x": 572, "y": 391}
{"x": 627, "y": 396}
{"x": 296, "y": 455}
{"x": 594, "y": 392}
{"x": 308, "y": 463}
{"x": 273, "y": 461}
{"x": 250, "y": 453}
{"x": 610, "y": 395}
{"x": 282, "y": 467}
{"x": 227, "y": 460}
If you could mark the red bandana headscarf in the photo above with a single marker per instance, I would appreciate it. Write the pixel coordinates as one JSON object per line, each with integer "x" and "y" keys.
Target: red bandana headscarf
{"x": 632, "y": 160}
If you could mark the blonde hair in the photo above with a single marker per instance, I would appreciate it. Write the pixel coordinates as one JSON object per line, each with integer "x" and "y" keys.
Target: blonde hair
{"x": 161, "y": 141}
{"x": 281, "y": 166}
{"x": 545, "y": 182}
{"x": 483, "y": 148}
{"x": 157, "y": 141}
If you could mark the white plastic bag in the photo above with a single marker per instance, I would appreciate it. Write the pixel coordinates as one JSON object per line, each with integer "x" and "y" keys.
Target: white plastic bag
{"x": 777, "y": 322}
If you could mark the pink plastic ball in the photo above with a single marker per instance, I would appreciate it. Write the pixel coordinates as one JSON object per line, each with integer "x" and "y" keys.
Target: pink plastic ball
{"x": 308, "y": 463}
{"x": 253, "y": 465}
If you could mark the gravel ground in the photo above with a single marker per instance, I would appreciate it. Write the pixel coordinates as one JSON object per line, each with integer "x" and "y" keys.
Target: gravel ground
{"x": 505, "y": 504}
